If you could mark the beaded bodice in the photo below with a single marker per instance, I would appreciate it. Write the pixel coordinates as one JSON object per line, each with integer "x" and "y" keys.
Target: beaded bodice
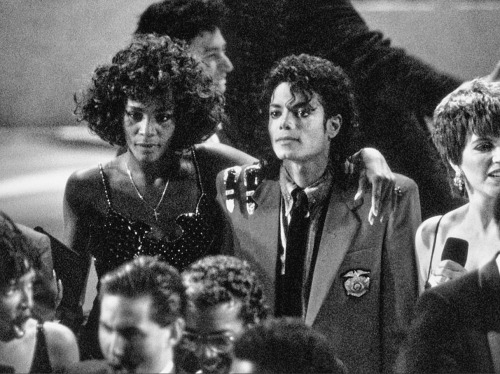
{"x": 116, "y": 239}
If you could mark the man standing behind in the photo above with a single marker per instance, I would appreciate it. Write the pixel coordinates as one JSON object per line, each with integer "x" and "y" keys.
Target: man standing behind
{"x": 198, "y": 23}
{"x": 224, "y": 299}
{"x": 142, "y": 304}
{"x": 297, "y": 224}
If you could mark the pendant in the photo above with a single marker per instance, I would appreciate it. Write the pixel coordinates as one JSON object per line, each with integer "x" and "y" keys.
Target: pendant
{"x": 156, "y": 214}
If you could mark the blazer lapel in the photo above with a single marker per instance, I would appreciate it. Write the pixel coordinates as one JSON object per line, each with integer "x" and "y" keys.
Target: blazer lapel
{"x": 340, "y": 225}
{"x": 264, "y": 224}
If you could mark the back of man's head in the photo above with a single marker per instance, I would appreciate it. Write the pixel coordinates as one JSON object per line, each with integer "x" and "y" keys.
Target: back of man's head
{"x": 148, "y": 276}
{"x": 15, "y": 260}
{"x": 215, "y": 280}
{"x": 182, "y": 19}
{"x": 284, "y": 346}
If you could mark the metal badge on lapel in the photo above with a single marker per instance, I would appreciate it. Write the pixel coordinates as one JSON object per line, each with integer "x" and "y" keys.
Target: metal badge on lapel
{"x": 231, "y": 183}
{"x": 251, "y": 180}
{"x": 357, "y": 282}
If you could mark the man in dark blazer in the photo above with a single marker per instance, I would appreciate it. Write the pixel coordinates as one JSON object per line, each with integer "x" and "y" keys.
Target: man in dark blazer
{"x": 357, "y": 281}
{"x": 456, "y": 328}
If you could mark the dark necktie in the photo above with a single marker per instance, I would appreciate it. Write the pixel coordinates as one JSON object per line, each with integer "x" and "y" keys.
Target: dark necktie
{"x": 296, "y": 244}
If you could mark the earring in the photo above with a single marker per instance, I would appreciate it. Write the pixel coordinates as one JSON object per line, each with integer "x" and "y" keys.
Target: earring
{"x": 458, "y": 181}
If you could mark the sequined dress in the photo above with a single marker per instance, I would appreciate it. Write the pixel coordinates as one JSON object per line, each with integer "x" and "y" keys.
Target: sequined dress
{"x": 116, "y": 239}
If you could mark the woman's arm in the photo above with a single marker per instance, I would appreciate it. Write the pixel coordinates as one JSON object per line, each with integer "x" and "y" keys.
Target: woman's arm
{"x": 374, "y": 173}
{"x": 77, "y": 217}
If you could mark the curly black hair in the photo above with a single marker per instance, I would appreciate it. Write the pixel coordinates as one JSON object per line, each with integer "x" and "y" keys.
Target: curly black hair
{"x": 182, "y": 19}
{"x": 309, "y": 75}
{"x": 15, "y": 257}
{"x": 287, "y": 345}
{"x": 152, "y": 68}
{"x": 219, "y": 279}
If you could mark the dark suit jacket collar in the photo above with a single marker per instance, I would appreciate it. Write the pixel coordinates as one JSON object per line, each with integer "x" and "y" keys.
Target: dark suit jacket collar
{"x": 489, "y": 283}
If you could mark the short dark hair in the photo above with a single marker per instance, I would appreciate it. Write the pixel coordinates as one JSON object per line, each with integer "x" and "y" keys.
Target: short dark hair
{"x": 182, "y": 19}
{"x": 307, "y": 75}
{"x": 15, "y": 259}
{"x": 214, "y": 280}
{"x": 148, "y": 276}
{"x": 287, "y": 345}
{"x": 152, "y": 69}
{"x": 473, "y": 108}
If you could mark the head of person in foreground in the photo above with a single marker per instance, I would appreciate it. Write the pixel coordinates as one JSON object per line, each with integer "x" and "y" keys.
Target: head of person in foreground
{"x": 224, "y": 299}
{"x": 284, "y": 345}
{"x": 141, "y": 319}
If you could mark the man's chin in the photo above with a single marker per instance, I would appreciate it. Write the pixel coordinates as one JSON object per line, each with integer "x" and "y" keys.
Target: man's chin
{"x": 19, "y": 325}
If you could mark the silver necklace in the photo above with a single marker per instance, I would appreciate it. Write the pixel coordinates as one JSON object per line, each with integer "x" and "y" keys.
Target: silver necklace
{"x": 155, "y": 209}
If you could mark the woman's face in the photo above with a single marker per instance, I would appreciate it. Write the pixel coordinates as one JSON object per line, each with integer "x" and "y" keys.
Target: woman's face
{"x": 16, "y": 302}
{"x": 481, "y": 165}
{"x": 148, "y": 129}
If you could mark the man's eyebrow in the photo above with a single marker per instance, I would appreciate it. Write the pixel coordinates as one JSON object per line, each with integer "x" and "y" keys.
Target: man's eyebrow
{"x": 215, "y": 49}
{"x": 212, "y": 333}
{"x": 297, "y": 104}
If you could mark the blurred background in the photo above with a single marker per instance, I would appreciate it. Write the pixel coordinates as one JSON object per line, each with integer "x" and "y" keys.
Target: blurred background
{"x": 50, "y": 48}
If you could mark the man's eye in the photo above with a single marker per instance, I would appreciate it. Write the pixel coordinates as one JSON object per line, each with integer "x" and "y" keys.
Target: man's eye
{"x": 303, "y": 112}
{"x": 135, "y": 116}
{"x": 9, "y": 290}
{"x": 483, "y": 147}
{"x": 274, "y": 114}
{"x": 163, "y": 117}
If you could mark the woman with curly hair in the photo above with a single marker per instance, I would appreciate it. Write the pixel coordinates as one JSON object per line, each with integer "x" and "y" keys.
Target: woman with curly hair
{"x": 156, "y": 199}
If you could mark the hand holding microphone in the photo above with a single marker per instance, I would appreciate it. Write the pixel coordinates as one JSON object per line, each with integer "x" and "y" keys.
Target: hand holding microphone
{"x": 452, "y": 262}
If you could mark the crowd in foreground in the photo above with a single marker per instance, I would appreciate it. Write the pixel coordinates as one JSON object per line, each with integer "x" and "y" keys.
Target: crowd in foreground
{"x": 311, "y": 258}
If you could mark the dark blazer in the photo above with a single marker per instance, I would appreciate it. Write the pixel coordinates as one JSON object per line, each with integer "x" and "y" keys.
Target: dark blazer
{"x": 365, "y": 329}
{"x": 453, "y": 325}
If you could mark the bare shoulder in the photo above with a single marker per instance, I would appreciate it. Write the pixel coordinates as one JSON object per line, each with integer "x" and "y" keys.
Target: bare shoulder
{"x": 61, "y": 344}
{"x": 83, "y": 179}
{"x": 449, "y": 221}
{"x": 426, "y": 233}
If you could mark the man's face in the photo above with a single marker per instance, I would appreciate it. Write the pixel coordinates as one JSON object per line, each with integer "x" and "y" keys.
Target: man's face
{"x": 208, "y": 340}
{"x": 298, "y": 129}
{"x": 128, "y": 337}
{"x": 15, "y": 306}
{"x": 210, "y": 48}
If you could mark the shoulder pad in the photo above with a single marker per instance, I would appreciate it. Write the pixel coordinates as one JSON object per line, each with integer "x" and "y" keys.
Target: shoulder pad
{"x": 251, "y": 180}
{"x": 231, "y": 177}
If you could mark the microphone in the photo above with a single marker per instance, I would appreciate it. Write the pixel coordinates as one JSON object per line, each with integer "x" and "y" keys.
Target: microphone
{"x": 455, "y": 249}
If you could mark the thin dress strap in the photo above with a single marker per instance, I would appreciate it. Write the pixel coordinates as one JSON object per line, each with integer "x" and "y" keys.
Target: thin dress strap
{"x": 195, "y": 162}
{"x": 105, "y": 184}
{"x": 427, "y": 285}
{"x": 41, "y": 360}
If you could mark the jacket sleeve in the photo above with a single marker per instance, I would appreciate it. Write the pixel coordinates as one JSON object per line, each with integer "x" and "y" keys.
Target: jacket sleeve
{"x": 399, "y": 283}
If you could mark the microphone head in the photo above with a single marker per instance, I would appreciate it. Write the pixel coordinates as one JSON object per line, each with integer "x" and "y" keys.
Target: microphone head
{"x": 455, "y": 249}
